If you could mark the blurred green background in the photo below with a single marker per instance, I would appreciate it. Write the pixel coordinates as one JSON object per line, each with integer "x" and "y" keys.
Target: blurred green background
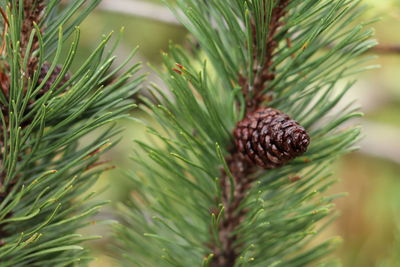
{"x": 369, "y": 217}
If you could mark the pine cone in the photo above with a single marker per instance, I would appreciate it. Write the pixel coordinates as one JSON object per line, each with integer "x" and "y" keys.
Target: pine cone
{"x": 268, "y": 138}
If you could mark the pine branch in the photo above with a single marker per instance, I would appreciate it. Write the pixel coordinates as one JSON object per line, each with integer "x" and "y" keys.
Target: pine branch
{"x": 241, "y": 170}
{"x": 225, "y": 249}
{"x": 387, "y": 49}
{"x": 254, "y": 91}
{"x": 231, "y": 179}
{"x": 45, "y": 172}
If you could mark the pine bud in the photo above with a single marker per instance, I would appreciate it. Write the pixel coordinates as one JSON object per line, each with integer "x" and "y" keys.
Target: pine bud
{"x": 268, "y": 138}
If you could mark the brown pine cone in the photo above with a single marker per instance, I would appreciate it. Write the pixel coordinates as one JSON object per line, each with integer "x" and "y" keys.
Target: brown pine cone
{"x": 268, "y": 138}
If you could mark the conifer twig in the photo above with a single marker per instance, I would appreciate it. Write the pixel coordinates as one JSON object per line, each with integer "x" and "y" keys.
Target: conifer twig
{"x": 382, "y": 49}
{"x": 45, "y": 110}
{"x": 386, "y": 49}
{"x": 196, "y": 198}
{"x": 226, "y": 254}
{"x": 254, "y": 96}
{"x": 33, "y": 11}
{"x": 266, "y": 73}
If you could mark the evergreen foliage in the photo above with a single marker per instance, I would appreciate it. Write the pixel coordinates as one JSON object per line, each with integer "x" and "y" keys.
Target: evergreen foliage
{"x": 292, "y": 55}
{"x": 45, "y": 172}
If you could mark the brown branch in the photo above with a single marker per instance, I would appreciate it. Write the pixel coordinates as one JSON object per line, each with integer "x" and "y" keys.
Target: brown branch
{"x": 4, "y": 81}
{"x": 383, "y": 49}
{"x": 3, "y": 35}
{"x": 33, "y": 14}
{"x": 226, "y": 249}
{"x": 256, "y": 97}
{"x": 386, "y": 49}
{"x": 226, "y": 253}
